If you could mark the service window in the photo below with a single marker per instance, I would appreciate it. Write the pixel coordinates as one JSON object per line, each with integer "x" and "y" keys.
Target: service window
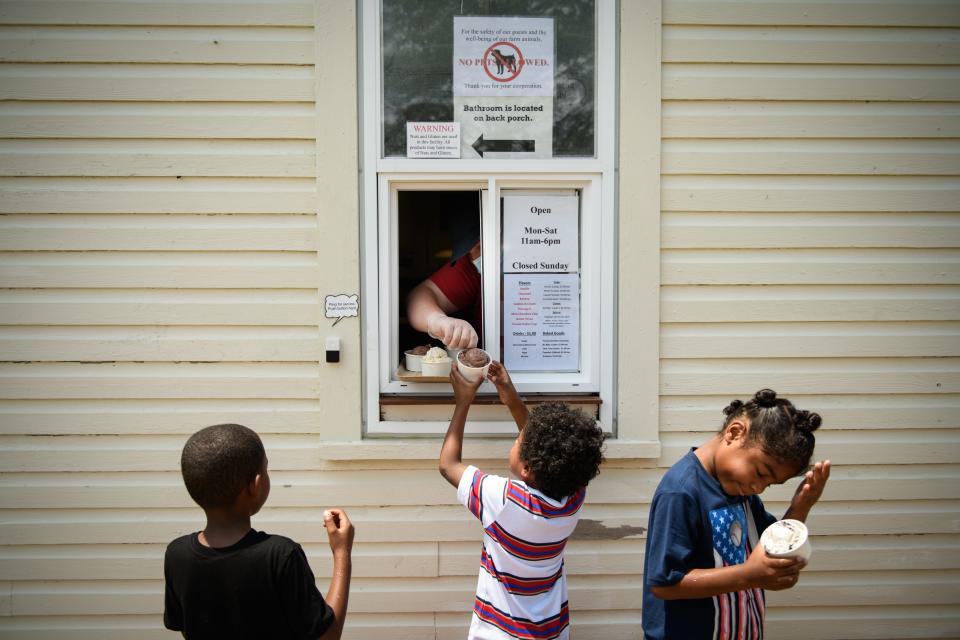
{"x": 488, "y": 183}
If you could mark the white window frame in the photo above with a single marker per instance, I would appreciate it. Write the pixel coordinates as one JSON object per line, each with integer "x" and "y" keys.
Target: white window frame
{"x": 383, "y": 177}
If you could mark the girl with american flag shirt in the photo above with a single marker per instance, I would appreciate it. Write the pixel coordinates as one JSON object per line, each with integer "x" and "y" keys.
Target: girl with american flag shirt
{"x": 521, "y": 588}
{"x": 704, "y": 571}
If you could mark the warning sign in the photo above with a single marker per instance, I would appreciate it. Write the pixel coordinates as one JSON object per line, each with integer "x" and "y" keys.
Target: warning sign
{"x": 503, "y": 86}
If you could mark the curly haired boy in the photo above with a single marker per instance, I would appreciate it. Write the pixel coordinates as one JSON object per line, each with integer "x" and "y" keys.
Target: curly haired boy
{"x": 522, "y": 587}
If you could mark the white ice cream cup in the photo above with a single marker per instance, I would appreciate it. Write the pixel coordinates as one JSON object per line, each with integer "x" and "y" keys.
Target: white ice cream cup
{"x": 473, "y": 373}
{"x": 435, "y": 368}
{"x": 787, "y": 539}
{"x": 412, "y": 361}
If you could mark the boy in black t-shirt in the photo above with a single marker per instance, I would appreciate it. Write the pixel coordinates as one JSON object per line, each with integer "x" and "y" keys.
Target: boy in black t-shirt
{"x": 230, "y": 581}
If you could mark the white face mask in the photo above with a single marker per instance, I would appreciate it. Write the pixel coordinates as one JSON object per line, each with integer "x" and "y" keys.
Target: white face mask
{"x": 477, "y": 263}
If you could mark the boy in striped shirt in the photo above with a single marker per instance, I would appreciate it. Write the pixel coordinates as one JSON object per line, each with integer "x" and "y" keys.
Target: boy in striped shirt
{"x": 522, "y": 587}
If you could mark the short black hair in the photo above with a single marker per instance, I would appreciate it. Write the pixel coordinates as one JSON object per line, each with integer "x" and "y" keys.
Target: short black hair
{"x": 562, "y": 447}
{"x": 219, "y": 461}
{"x": 777, "y": 427}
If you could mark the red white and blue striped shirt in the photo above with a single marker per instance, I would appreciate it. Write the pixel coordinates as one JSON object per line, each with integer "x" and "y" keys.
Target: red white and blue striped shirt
{"x": 522, "y": 586}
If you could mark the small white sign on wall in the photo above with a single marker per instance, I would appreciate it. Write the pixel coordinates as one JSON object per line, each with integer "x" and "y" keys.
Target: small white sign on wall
{"x": 433, "y": 139}
{"x": 541, "y": 232}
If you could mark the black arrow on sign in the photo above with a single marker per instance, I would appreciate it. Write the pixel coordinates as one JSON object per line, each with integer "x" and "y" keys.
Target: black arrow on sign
{"x": 509, "y": 146}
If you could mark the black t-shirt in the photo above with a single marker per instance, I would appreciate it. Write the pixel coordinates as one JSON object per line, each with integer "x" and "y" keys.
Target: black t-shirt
{"x": 261, "y": 587}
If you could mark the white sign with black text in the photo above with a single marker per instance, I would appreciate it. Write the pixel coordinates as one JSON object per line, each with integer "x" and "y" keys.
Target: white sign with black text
{"x": 541, "y": 232}
{"x": 541, "y": 322}
{"x": 503, "y": 85}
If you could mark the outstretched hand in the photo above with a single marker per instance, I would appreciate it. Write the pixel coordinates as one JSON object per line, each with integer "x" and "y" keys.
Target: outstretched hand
{"x": 810, "y": 490}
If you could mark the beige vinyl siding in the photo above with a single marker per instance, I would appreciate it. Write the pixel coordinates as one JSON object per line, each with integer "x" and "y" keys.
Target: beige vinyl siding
{"x": 165, "y": 244}
{"x": 810, "y": 227}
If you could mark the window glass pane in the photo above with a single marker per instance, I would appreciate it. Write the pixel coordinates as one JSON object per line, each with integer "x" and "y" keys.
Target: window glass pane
{"x": 420, "y": 50}
{"x": 438, "y": 233}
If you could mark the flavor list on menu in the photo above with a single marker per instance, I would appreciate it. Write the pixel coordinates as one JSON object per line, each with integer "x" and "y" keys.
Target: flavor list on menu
{"x": 541, "y": 321}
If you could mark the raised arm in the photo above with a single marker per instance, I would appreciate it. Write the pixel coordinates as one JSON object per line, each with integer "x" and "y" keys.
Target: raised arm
{"x": 497, "y": 374}
{"x": 340, "y": 534}
{"x": 427, "y": 311}
{"x": 809, "y": 491}
{"x": 451, "y": 462}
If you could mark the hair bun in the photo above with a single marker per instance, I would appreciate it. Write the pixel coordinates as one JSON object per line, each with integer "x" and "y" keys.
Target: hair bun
{"x": 765, "y": 398}
{"x": 807, "y": 421}
{"x": 733, "y": 408}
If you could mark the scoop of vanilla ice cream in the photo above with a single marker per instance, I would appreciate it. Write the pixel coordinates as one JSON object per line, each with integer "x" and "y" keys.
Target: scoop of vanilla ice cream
{"x": 782, "y": 537}
{"x": 436, "y": 354}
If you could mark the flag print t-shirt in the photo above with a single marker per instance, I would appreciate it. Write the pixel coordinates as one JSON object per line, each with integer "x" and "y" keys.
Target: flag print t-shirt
{"x": 695, "y": 525}
{"x": 522, "y": 586}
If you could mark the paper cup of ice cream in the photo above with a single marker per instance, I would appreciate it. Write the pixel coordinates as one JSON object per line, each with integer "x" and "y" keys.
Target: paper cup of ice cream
{"x": 413, "y": 357}
{"x": 787, "y": 539}
{"x": 435, "y": 362}
{"x": 473, "y": 363}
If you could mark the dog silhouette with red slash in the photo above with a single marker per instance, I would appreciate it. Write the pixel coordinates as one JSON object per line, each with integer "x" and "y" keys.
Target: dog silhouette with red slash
{"x": 510, "y": 62}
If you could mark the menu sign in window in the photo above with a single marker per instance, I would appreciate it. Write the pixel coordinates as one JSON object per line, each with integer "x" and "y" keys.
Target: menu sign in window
{"x": 541, "y": 232}
{"x": 541, "y": 281}
{"x": 541, "y": 322}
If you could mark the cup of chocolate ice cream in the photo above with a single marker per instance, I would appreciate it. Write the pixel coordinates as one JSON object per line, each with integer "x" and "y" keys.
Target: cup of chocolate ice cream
{"x": 413, "y": 357}
{"x": 473, "y": 363}
{"x": 787, "y": 539}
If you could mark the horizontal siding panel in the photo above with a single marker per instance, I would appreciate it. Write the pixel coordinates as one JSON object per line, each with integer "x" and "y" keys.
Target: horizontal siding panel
{"x": 297, "y": 13}
{"x": 114, "y": 158}
{"x": 811, "y": 375}
{"x": 801, "y": 45}
{"x": 145, "y": 417}
{"x": 882, "y": 588}
{"x": 810, "y": 266}
{"x": 157, "y": 195}
{"x": 157, "y": 120}
{"x": 808, "y": 303}
{"x": 157, "y": 44}
{"x": 164, "y": 83}
{"x": 687, "y": 413}
{"x": 126, "y": 344}
{"x": 145, "y": 232}
{"x": 161, "y": 307}
{"x": 388, "y": 524}
{"x": 862, "y": 623}
{"x": 906, "y": 447}
{"x": 810, "y": 82}
{"x": 809, "y": 193}
{"x": 811, "y": 157}
{"x": 798, "y": 120}
{"x": 684, "y": 230}
{"x": 175, "y": 380}
{"x": 809, "y": 340}
{"x": 158, "y": 269}
{"x": 921, "y": 13}
{"x": 145, "y": 562}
